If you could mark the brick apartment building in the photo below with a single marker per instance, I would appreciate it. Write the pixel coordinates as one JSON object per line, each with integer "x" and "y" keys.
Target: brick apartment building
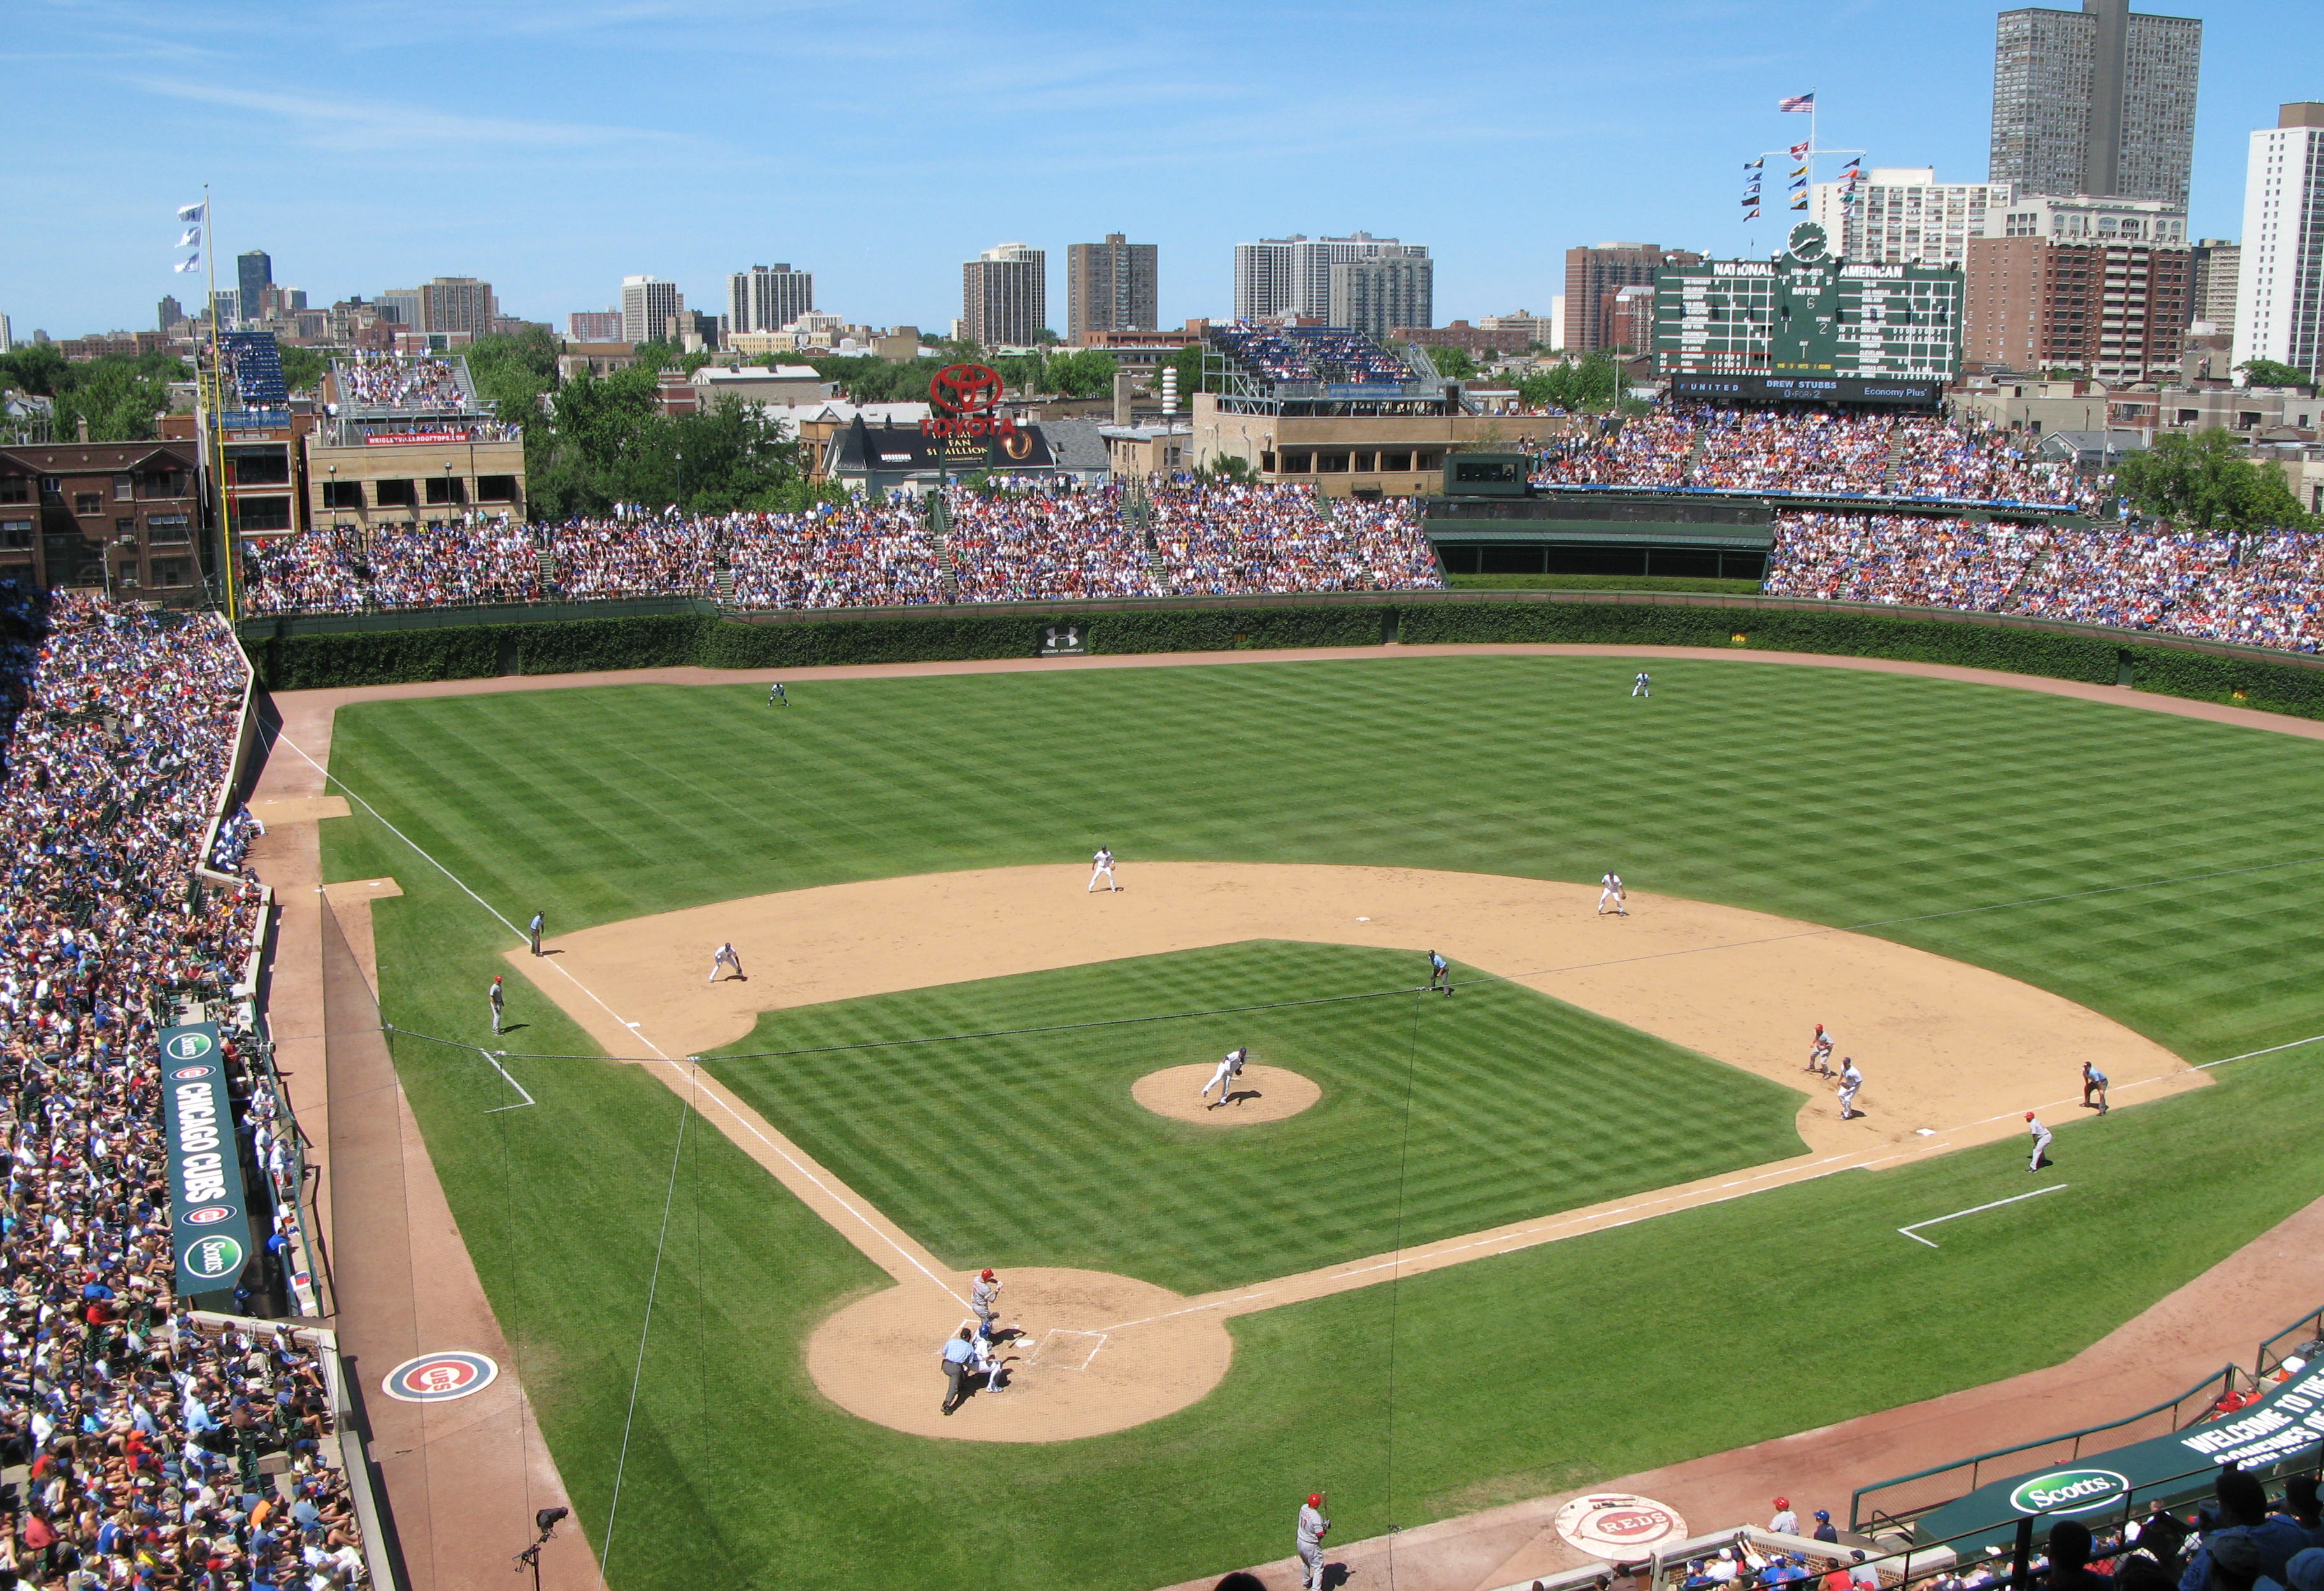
{"x": 125, "y": 515}
{"x": 2116, "y": 311}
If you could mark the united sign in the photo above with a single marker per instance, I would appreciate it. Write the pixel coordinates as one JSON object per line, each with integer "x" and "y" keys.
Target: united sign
{"x": 209, "y": 1223}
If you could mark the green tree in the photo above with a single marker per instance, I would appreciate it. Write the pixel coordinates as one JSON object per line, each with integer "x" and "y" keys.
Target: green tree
{"x": 38, "y": 368}
{"x": 1086, "y": 372}
{"x": 1592, "y": 382}
{"x": 607, "y": 441}
{"x": 2205, "y": 483}
{"x": 302, "y": 367}
{"x": 2272, "y": 372}
{"x": 1454, "y": 363}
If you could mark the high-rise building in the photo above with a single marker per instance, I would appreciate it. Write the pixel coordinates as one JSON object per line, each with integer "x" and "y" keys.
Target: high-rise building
{"x": 254, "y": 273}
{"x": 1005, "y": 296}
{"x": 1293, "y": 275}
{"x": 400, "y": 305}
{"x": 1902, "y": 216}
{"x": 457, "y": 304}
{"x": 2114, "y": 310}
{"x": 2096, "y": 101}
{"x": 2280, "y": 301}
{"x": 2217, "y": 270}
{"x": 594, "y": 325}
{"x": 169, "y": 312}
{"x": 1374, "y": 295}
{"x": 768, "y": 298}
{"x": 1595, "y": 273}
{"x": 1109, "y": 286}
{"x": 648, "y": 304}
{"x": 7, "y": 341}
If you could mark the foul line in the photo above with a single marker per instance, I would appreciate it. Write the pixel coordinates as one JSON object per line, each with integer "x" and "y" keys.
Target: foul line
{"x": 1912, "y": 1231}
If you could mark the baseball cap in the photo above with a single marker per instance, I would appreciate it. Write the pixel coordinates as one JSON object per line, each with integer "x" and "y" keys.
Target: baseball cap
{"x": 1315, "y": 1499}
{"x": 1824, "y": 1514}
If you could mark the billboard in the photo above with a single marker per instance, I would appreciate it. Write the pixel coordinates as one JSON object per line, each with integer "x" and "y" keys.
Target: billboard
{"x": 210, "y": 1219}
{"x": 1805, "y": 389}
{"x": 1809, "y": 315}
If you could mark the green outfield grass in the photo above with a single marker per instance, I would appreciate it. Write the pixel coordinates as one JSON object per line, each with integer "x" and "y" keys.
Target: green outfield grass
{"x": 1972, "y": 821}
{"x": 1439, "y": 1117}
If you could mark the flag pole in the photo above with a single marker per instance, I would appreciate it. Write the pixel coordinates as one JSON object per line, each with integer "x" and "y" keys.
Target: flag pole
{"x": 217, "y": 439}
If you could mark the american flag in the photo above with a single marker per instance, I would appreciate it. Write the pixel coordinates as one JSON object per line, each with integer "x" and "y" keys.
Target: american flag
{"x": 1796, "y": 102}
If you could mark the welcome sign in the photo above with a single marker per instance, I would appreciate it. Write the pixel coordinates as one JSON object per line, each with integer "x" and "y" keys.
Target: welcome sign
{"x": 209, "y": 1221}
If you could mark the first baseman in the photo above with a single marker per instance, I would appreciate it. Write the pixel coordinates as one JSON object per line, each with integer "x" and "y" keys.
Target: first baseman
{"x": 1102, "y": 867}
{"x": 1223, "y": 1079}
{"x": 2040, "y": 1141}
{"x": 1611, "y": 890}
{"x": 725, "y": 956}
{"x": 2094, "y": 1082}
{"x": 1851, "y": 1079}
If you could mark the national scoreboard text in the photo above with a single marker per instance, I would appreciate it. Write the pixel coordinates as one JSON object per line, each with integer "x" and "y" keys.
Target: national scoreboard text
{"x": 1806, "y": 317}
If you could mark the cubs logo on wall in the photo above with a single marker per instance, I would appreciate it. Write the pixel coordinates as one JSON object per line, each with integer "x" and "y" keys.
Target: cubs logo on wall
{"x": 1618, "y": 1525}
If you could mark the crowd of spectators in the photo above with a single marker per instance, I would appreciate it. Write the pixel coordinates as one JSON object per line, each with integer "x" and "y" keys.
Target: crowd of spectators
{"x": 1810, "y": 451}
{"x": 1027, "y": 544}
{"x": 153, "y": 1452}
{"x": 395, "y": 380}
{"x": 1309, "y": 353}
{"x": 2261, "y": 589}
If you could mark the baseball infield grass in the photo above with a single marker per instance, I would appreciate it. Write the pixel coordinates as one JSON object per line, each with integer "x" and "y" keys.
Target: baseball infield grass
{"x": 1028, "y": 1149}
{"x": 1973, "y": 822}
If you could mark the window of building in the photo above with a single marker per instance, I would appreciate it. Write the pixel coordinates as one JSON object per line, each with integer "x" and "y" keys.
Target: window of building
{"x": 447, "y": 489}
{"x": 262, "y": 513}
{"x": 262, "y": 469}
{"x": 171, "y": 572}
{"x": 1396, "y": 461}
{"x": 164, "y": 484}
{"x": 391, "y": 494}
{"x": 1332, "y": 463}
{"x": 16, "y": 489}
{"x": 1431, "y": 460}
{"x": 15, "y": 535}
{"x": 1299, "y": 463}
{"x": 126, "y": 574}
{"x": 495, "y": 488}
{"x": 169, "y": 527}
{"x": 342, "y": 495}
{"x": 124, "y": 529}
{"x": 125, "y": 488}
{"x": 88, "y": 503}
{"x": 1266, "y": 462}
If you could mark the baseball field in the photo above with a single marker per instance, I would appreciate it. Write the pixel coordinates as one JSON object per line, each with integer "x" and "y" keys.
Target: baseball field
{"x": 1638, "y": 1230}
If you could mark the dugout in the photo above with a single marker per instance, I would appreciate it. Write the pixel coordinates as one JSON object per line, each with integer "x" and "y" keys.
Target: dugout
{"x": 1488, "y": 520}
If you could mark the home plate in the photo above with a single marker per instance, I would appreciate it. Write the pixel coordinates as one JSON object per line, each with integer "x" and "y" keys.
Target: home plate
{"x": 1067, "y": 1350}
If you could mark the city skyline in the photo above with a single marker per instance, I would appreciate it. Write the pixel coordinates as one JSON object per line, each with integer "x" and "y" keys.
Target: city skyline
{"x": 501, "y": 171}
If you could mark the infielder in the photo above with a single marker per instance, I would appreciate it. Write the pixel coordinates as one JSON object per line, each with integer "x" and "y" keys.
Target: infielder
{"x": 1102, "y": 867}
{"x": 2094, "y": 1082}
{"x": 1224, "y": 1078}
{"x": 1851, "y": 1079}
{"x": 1610, "y": 892}
{"x": 1439, "y": 975}
{"x": 1643, "y": 685}
{"x": 775, "y": 698}
{"x": 496, "y": 997}
{"x": 1313, "y": 1526}
{"x": 984, "y": 1297}
{"x": 725, "y": 956}
{"x": 2040, "y": 1141}
{"x": 1820, "y": 1052}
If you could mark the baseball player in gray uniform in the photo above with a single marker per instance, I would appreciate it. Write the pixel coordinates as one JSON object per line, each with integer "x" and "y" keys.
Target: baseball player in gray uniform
{"x": 2041, "y": 1135}
{"x": 496, "y": 999}
{"x": 984, "y": 1297}
{"x": 1313, "y": 1526}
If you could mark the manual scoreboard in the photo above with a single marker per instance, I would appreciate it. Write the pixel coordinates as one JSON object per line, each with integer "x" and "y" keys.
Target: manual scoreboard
{"x": 1807, "y": 323}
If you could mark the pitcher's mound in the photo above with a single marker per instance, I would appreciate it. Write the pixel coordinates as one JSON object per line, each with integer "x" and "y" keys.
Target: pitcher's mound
{"x": 1262, "y": 1093}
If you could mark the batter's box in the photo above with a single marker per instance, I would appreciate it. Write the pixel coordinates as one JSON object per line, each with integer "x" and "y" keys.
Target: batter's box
{"x": 1067, "y": 1350}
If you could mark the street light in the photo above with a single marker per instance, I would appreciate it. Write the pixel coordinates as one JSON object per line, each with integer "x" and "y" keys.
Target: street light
{"x": 681, "y": 482}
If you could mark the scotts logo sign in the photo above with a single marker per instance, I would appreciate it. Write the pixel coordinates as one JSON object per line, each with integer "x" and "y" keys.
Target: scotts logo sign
{"x": 967, "y": 397}
{"x": 209, "y": 1230}
{"x": 2069, "y": 1491}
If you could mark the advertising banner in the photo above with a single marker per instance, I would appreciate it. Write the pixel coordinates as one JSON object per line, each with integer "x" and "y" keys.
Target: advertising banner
{"x": 2280, "y": 1431}
{"x": 210, "y": 1220}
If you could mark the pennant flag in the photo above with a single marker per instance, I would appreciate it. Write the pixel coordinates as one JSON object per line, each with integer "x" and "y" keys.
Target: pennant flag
{"x": 1754, "y": 216}
{"x": 1796, "y": 102}
{"x": 1801, "y": 172}
{"x": 185, "y": 265}
{"x": 1800, "y": 150}
{"x": 1751, "y": 198}
{"x": 192, "y": 238}
{"x": 1754, "y": 165}
{"x": 192, "y": 213}
{"x": 1798, "y": 183}
{"x": 1800, "y": 201}
{"x": 1853, "y": 164}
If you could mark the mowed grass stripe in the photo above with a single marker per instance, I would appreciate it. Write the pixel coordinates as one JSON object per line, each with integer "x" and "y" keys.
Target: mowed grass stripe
{"x": 1519, "y": 1105}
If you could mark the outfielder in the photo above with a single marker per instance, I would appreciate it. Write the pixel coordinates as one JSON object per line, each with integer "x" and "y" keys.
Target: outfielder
{"x": 775, "y": 696}
{"x": 1224, "y": 1078}
{"x": 1102, "y": 867}
{"x": 725, "y": 956}
{"x": 2040, "y": 1141}
{"x": 2094, "y": 1082}
{"x": 1611, "y": 890}
{"x": 1820, "y": 1052}
{"x": 984, "y": 1297}
{"x": 1439, "y": 975}
{"x": 496, "y": 997}
{"x": 1851, "y": 1079}
{"x": 1313, "y": 1526}
{"x": 1643, "y": 685}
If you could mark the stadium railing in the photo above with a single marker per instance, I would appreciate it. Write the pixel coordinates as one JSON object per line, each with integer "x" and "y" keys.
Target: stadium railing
{"x": 2285, "y": 1344}
{"x": 1902, "y": 1498}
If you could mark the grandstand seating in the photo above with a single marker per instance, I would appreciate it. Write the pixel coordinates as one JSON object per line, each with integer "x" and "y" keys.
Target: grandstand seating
{"x": 1309, "y": 353}
{"x": 141, "y": 1433}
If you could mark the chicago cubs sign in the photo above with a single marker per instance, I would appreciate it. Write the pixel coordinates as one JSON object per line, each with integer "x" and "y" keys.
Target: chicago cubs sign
{"x": 439, "y": 1378}
{"x": 209, "y": 1224}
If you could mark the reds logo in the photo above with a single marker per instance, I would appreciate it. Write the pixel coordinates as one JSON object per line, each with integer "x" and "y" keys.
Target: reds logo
{"x": 966, "y": 389}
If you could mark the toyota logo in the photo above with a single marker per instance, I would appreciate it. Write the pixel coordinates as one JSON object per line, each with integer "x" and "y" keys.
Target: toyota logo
{"x": 966, "y": 389}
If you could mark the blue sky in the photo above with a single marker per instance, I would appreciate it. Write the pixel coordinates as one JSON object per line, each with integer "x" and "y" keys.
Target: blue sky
{"x": 551, "y": 148}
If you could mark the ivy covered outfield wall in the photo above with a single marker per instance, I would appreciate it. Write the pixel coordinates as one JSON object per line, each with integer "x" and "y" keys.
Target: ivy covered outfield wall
{"x": 384, "y": 652}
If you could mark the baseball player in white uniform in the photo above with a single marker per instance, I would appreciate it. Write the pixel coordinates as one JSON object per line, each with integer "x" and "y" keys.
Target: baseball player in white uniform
{"x": 1851, "y": 1079}
{"x": 1102, "y": 867}
{"x": 2040, "y": 1141}
{"x": 725, "y": 956}
{"x": 1820, "y": 1052}
{"x": 1223, "y": 1079}
{"x": 1643, "y": 685}
{"x": 1610, "y": 892}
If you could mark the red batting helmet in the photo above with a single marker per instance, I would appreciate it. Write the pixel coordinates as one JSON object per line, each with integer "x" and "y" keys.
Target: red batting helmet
{"x": 988, "y": 1273}
{"x": 1315, "y": 1499}
{"x": 2029, "y": 1116}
